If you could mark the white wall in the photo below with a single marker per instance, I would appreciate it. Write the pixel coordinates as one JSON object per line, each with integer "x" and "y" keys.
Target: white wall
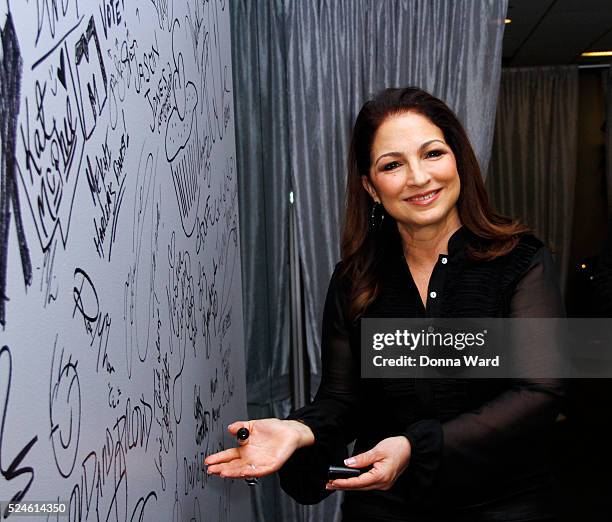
{"x": 122, "y": 358}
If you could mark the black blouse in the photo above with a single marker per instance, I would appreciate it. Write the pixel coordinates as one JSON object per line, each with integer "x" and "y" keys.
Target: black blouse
{"x": 479, "y": 446}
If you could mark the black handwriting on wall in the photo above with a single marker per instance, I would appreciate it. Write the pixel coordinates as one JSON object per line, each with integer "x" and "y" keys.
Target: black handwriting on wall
{"x": 53, "y": 15}
{"x": 184, "y": 149}
{"x": 111, "y": 12}
{"x": 105, "y": 172}
{"x": 10, "y": 79}
{"x": 96, "y": 323}
{"x": 139, "y": 288}
{"x": 69, "y": 93}
{"x": 91, "y": 76}
{"x": 13, "y": 474}
{"x": 165, "y": 12}
{"x": 64, "y": 411}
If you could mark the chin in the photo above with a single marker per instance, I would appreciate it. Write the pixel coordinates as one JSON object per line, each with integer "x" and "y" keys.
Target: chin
{"x": 439, "y": 213}
{"x": 424, "y": 219}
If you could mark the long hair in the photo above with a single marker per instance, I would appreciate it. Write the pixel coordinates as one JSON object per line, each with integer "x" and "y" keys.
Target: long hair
{"x": 363, "y": 250}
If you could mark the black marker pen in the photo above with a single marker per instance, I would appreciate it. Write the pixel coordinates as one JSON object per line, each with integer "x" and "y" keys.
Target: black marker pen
{"x": 341, "y": 472}
{"x": 243, "y": 437}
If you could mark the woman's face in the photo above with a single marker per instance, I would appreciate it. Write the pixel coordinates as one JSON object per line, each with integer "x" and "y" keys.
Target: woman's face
{"x": 413, "y": 172}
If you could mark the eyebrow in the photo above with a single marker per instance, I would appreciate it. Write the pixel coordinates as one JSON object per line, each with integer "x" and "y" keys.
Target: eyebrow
{"x": 421, "y": 147}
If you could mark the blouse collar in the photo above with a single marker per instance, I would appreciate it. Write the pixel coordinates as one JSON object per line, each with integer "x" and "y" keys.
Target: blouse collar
{"x": 458, "y": 240}
{"x": 457, "y": 243}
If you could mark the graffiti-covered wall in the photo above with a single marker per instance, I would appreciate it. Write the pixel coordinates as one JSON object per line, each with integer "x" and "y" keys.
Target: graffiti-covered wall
{"x": 121, "y": 339}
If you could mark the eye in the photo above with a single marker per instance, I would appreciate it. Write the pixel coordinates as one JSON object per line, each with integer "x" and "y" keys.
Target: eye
{"x": 434, "y": 153}
{"x": 391, "y": 165}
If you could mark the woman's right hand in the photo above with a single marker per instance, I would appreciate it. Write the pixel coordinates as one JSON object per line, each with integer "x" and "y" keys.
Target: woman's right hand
{"x": 270, "y": 444}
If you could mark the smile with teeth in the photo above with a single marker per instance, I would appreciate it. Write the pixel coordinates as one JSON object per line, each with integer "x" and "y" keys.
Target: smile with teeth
{"x": 426, "y": 197}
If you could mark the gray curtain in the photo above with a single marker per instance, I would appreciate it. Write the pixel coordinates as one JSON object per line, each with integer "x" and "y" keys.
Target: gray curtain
{"x": 302, "y": 69}
{"x": 533, "y": 163}
{"x": 261, "y": 117}
{"x": 338, "y": 54}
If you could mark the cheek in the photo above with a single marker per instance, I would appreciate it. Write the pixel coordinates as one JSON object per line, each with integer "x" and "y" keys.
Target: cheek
{"x": 453, "y": 180}
{"x": 446, "y": 171}
{"x": 389, "y": 185}
{"x": 455, "y": 188}
{"x": 448, "y": 176}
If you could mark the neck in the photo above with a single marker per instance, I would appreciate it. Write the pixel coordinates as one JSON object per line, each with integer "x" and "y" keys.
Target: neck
{"x": 422, "y": 245}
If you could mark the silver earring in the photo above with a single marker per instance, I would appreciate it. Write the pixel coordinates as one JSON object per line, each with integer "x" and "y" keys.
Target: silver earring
{"x": 377, "y": 217}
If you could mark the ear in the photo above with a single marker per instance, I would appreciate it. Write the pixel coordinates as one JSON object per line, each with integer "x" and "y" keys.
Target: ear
{"x": 367, "y": 185}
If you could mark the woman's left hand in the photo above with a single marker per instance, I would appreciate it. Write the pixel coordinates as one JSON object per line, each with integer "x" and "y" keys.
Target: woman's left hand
{"x": 389, "y": 459}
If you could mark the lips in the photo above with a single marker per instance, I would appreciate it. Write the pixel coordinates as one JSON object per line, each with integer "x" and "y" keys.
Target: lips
{"x": 424, "y": 198}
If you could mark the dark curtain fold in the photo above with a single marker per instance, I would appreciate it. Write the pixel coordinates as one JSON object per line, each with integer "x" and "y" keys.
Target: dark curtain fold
{"x": 534, "y": 159}
{"x": 264, "y": 179}
{"x": 608, "y": 102}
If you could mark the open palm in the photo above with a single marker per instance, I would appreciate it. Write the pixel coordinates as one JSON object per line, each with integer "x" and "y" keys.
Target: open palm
{"x": 270, "y": 444}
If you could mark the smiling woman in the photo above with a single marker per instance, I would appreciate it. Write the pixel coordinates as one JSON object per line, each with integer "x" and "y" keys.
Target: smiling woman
{"x": 415, "y": 178}
{"x": 420, "y": 240}
{"x": 406, "y": 144}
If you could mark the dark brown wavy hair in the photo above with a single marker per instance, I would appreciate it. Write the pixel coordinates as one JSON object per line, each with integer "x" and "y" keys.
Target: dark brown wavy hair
{"x": 363, "y": 250}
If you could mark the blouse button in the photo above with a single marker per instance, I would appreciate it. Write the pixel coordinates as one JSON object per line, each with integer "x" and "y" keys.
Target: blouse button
{"x": 444, "y": 260}
{"x": 433, "y": 295}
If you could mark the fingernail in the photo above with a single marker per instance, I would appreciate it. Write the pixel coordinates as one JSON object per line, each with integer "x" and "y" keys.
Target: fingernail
{"x": 350, "y": 461}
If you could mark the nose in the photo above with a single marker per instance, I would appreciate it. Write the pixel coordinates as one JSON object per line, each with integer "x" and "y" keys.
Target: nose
{"x": 416, "y": 175}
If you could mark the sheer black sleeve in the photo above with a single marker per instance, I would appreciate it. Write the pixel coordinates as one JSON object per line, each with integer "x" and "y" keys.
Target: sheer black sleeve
{"x": 329, "y": 415}
{"x": 471, "y": 445}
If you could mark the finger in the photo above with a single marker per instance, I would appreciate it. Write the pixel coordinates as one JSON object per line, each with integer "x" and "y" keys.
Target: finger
{"x": 242, "y": 470}
{"x": 362, "y": 460}
{"x": 369, "y": 480}
{"x": 235, "y": 426}
{"x": 214, "y": 469}
{"x": 222, "y": 456}
{"x": 232, "y": 470}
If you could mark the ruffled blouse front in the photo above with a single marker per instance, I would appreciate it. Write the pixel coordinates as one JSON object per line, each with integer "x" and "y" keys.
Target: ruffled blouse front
{"x": 480, "y": 446}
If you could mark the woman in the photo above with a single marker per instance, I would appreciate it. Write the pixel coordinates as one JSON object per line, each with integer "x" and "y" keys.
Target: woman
{"x": 420, "y": 240}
